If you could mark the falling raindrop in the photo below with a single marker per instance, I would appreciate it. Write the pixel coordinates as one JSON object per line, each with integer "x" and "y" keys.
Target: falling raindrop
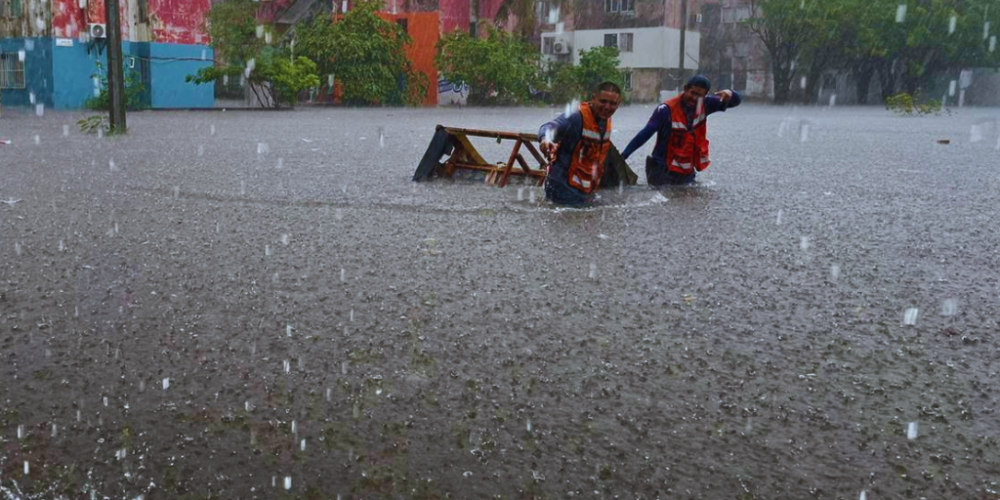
{"x": 520, "y": 194}
{"x": 281, "y": 163}
{"x": 54, "y": 430}
{"x": 65, "y": 130}
{"x": 295, "y": 428}
{"x": 343, "y": 275}
{"x": 27, "y": 468}
{"x": 105, "y": 401}
{"x": 111, "y": 166}
{"x": 802, "y": 84}
{"x": 951, "y": 24}
{"x": 804, "y": 132}
{"x": 21, "y": 55}
{"x": 804, "y": 243}
{"x": 833, "y": 100}
{"x": 17, "y": 248}
{"x": 61, "y": 246}
{"x": 329, "y": 81}
{"x": 267, "y": 250}
{"x": 778, "y": 221}
{"x": 529, "y": 427}
{"x": 284, "y": 239}
{"x": 593, "y": 270}
{"x": 39, "y": 109}
{"x": 20, "y": 431}
{"x": 986, "y": 31}
{"x": 288, "y": 326}
{"x": 31, "y": 97}
{"x": 243, "y": 188}
{"x": 267, "y": 37}
{"x": 949, "y": 307}
{"x": 287, "y": 365}
{"x": 901, "y": 13}
{"x": 303, "y": 447}
{"x": 531, "y": 195}
{"x": 142, "y": 385}
{"x": 211, "y": 129}
{"x": 834, "y": 271}
{"x": 260, "y": 31}
{"x": 100, "y": 133}
{"x": 343, "y": 368}
{"x": 166, "y": 384}
{"x": 951, "y": 88}
{"x": 288, "y": 482}
{"x": 993, "y": 43}
{"x": 910, "y": 316}
{"x": 38, "y": 139}
{"x": 863, "y": 496}
{"x": 975, "y": 134}
{"x": 328, "y": 393}
{"x": 262, "y": 148}
{"x": 352, "y": 315}
{"x": 381, "y": 137}
{"x": 911, "y": 430}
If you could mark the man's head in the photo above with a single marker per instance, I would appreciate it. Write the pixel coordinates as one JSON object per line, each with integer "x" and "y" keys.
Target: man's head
{"x": 607, "y": 96}
{"x": 695, "y": 89}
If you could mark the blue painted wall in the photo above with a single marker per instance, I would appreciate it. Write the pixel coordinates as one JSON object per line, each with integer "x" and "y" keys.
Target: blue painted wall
{"x": 72, "y": 70}
{"x": 62, "y": 77}
{"x": 37, "y": 69}
{"x": 169, "y": 65}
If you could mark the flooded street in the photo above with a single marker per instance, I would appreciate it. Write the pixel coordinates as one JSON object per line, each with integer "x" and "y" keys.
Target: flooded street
{"x": 263, "y": 305}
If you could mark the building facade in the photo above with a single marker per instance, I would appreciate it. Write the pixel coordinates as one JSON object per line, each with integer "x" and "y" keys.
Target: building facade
{"x": 647, "y": 34}
{"x": 53, "y": 52}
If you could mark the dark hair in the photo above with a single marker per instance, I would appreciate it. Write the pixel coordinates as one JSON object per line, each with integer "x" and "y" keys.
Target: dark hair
{"x": 699, "y": 81}
{"x": 607, "y": 86}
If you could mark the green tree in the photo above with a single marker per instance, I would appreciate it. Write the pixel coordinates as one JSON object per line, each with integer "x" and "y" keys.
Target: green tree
{"x": 270, "y": 73}
{"x": 784, "y": 30}
{"x": 366, "y": 54}
{"x": 597, "y": 64}
{"x": 499, "y": 68}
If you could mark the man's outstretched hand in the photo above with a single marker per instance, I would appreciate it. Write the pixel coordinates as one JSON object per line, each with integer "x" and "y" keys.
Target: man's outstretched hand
{"x": 725, "y": 95}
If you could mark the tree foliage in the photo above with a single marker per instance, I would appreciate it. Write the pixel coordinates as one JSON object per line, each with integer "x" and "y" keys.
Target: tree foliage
{"x": 366, "y": 54}
{"x": 909, "y": 44}
{"x": 597, "y": 64}
{"x": 499, "y": 68}
{"x": 270, "y": 73}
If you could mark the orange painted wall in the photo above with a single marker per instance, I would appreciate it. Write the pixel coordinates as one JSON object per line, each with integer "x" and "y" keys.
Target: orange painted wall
{"x": 424, "y": 29}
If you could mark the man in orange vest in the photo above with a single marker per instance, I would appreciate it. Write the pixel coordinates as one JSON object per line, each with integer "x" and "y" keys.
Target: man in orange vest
{"x": 577, "y": 146}
{"x": 681, "y": 128}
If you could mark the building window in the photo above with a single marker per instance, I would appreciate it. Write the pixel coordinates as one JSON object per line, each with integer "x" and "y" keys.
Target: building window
{"x": 11, "y": 72}
{"x": 628, "y": 80}
{"x": 143, "y": 11}
{"x": 625, "y": 42}
{"x": 13, "y": 8}
{"x": 611, "y": 40}
{"x": 619, "y": 5}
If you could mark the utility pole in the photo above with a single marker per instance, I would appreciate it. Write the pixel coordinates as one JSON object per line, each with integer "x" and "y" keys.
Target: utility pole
{"x": 116, "y": 82}
{"x": 684, "y": 20}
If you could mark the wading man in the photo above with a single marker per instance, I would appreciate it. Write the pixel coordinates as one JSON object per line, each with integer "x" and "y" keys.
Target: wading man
{"x": 577, "y": 145}
{"x": 681, "y": 129}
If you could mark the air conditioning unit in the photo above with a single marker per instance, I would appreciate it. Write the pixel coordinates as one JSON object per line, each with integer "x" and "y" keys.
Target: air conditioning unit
{"x": 97, "y": 30}
{"x": 560, "y": 47}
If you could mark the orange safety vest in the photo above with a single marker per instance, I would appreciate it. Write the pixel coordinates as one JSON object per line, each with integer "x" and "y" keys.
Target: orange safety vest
{"x": 587, "y": 164}
{"x": 688, "y": 148}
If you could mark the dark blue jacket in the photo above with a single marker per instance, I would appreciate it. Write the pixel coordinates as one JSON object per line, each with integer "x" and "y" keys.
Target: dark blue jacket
{"x": 566, "y": 131}
{"x": 660, "y": 124}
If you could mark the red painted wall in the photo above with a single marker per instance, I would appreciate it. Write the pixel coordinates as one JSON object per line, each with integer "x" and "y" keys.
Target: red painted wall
{"x": 170, "y": 21}
{"x": 423, "y": 29}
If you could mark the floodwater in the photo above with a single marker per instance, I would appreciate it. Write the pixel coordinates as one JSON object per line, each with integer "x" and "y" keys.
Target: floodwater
{"x": 263, "y": 305}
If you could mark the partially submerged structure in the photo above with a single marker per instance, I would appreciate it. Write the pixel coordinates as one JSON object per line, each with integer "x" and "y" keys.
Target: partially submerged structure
{"x": 464, "y": 160}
